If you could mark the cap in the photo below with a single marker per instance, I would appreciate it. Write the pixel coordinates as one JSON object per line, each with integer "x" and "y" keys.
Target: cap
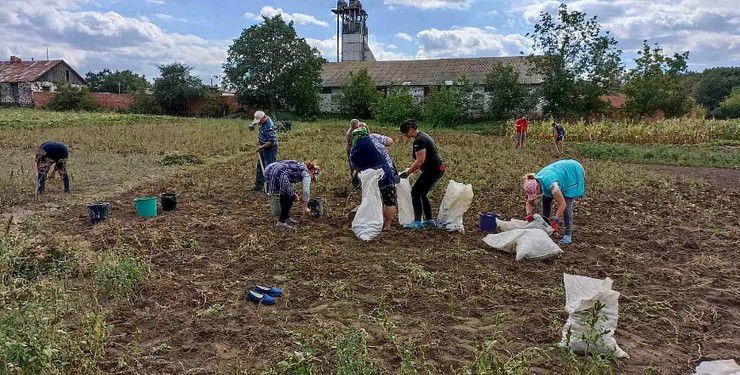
{"x": 530, "y": 188}
{"x": 257, "y": 117}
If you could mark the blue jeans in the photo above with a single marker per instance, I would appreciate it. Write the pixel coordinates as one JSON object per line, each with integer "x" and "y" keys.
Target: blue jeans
{"x": 567, "y": 216}
{"x": 268, "y": 157}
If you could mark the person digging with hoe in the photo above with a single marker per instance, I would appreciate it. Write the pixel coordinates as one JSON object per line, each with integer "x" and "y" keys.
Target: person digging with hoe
{"x": 51, "y": 157}
{"x": 267, "y": 149}
{"x": 427, "y": 159}
{"x": 562, "y": 181}
{"x": 280, "y": 176}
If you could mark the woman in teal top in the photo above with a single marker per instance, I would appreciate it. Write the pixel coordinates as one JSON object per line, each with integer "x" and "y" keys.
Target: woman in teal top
{"x": 562, "y": 181}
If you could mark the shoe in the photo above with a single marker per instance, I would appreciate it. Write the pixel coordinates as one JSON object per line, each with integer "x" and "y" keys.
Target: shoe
{"x": 566, "y": 240}
{"x": 271, "y": 291}
{"x": 415, "y": 225}
{"x": 260, "y": 298}
{"x": 291, "y": 221}
{"x": 280, "y": 225}
{"x": 430, "y": 224}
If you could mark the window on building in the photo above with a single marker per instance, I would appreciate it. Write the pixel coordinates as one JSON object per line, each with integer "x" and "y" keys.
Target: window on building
{"x": 68, "y": 75}
{"x": 326, "y": 90}
{"x": 427, "y": 91}
{"x": 14, "y": 91}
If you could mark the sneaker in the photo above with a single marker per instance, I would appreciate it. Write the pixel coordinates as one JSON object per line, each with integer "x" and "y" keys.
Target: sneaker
{"x": 567, "y": 240}
{"x": 430, "y": 223}
{"x": 415, "y": 225}
{"x": 260, "y": 298}
{"x": 270, "y": 291}
{"x": 291, "y": 221}
{"x": 280, "y": 225}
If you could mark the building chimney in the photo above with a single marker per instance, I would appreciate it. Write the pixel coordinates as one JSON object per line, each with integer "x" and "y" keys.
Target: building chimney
{"x": 14, "y": 59}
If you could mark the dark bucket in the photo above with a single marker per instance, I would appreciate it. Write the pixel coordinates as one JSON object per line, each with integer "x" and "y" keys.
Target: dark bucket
{"x": 98, "y": 211}
{"x": 316, "y": 205}
{"x": 169, "y": 201}
{"x": 488, "y": 222}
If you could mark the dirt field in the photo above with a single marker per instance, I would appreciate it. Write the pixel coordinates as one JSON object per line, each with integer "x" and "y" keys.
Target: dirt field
{"x": 428, "y": 299}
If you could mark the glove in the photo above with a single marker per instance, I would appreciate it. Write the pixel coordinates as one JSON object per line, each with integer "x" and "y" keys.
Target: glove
{"x": 251, "y": 128}
{"x": 529, "y": 218}
{"x": 554, "y": 223}
{"x": 404, "y": 174}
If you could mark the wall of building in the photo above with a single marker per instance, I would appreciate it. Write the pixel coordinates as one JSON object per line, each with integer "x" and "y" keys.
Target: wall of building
{"x": 59, "y": 73}
{"x": 20, "y": 94}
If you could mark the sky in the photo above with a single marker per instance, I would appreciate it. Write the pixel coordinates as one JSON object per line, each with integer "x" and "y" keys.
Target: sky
{"x": 140, "y": 34}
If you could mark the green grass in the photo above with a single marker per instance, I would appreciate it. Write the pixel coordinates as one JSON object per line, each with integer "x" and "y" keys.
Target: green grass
{"x": 117, "y": 275}
{"x": 26, "y": 118}
{"x": 351, "y": 356}
{"x": 704, "y": 156}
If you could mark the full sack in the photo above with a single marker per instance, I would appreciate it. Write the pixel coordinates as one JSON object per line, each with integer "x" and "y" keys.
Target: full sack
{"x": 538, "y": 222}
{"x": 525, "y": 243}
{"x": 581, "y": 295}
{"x": 722, "y": 367}
{"x": 368, "y": 221}
{"x": 455, "y": 203}
{"x": 405, "y": 207}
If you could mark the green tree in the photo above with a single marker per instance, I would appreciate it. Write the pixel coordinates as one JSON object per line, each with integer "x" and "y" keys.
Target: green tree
{"x": 654, "y": 84}
{"x": 579, "y": 63}
{"x": 396, "y": 107}
{"x": 715, "y": 85}
{"x": 71, "y": 98}
{"x": 176, "y": 87}
{"x": 730, "y": 107}
{"x": 507, "y": 96}
{"x": 444, "y": 107}
{"x": 119, "y": 81}
{"x": 358, "y": 95}
{"x": 145, "y": 104}
{"x": 270, "y": 65}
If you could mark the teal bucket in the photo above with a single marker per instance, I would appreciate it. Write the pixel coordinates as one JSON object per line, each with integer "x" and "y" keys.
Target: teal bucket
{"x": 146, "y": 206}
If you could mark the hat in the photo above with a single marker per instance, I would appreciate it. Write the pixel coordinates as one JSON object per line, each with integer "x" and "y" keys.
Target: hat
{"x": 530, "y": 188}
{"x": 359, "y": 133}
{"x": 257, "y": 117}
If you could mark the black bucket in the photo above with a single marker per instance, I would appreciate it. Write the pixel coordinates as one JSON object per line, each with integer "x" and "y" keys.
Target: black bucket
{"x": 169, "y": 201}
{"x": 316, "y": 206}
{"x": 98, "y": 211}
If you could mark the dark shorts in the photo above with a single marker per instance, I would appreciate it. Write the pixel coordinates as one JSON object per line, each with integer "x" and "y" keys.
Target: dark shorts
{"x": 388, "y": 195}
{"x": 559, "y": 138}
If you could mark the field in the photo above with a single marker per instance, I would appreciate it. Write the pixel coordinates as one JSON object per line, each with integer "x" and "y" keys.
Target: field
{"x": 166, "y": 295}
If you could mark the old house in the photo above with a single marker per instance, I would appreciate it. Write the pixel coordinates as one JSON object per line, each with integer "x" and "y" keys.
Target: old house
{"x": 20, "y": 79}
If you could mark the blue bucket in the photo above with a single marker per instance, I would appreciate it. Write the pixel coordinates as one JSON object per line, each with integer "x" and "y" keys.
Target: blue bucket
{"x": 488, "y": 222}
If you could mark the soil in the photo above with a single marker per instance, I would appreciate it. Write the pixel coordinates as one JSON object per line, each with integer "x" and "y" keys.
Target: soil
{"x": 722, "y": 178}
{"x": 672, "y": 255}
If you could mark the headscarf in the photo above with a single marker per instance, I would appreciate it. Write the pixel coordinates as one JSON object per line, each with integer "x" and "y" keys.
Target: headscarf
{"x": 359, "y": 133}
{"x": 530, "y": 186}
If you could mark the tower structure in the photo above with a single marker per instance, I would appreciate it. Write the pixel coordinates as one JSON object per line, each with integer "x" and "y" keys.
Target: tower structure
{"x": 352, "y": 32}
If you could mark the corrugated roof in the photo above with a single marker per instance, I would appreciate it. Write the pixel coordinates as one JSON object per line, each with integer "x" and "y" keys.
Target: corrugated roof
{"x": 425, "y": 72}
{"x": 25, "y": 71}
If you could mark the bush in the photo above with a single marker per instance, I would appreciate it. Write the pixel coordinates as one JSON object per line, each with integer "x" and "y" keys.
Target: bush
{"x": 214, "y": 106}
{"x": 396, "y": 107}
{"x": 71, "y": 98}
{"x": 507, "y": 95}
{"x": 358, "y": 95}
{"x": 730, "y": 107}
{"x": 117, "y": 275}
{"x": 443, "y": 107}
{"x": 145, "y": 104}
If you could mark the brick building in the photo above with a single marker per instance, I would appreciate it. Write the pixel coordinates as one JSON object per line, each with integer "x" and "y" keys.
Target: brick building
{"x": 20, "y": 79}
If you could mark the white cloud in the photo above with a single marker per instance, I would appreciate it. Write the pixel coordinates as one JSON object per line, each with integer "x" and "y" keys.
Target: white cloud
{"x": 381, "y": 51}
{"x": 327, "y": 47}
{"x": 405, "y": 37}
{"x": 297, "y": 18}
{"x": 431, "y": 4}
{"x": 469, "y": 41}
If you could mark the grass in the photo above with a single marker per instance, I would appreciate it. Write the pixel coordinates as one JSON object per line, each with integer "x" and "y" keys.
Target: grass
{"x": 706, "y": 156}
{"x": 351, "y": 356}
{"x": 117, "y": 275}
{"x": 25, "y": 118}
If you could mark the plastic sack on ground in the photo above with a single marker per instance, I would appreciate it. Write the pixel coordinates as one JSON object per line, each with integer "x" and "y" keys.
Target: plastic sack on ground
{"x": 455, "y": 203}
{"x": 538, "y": 222}
{"x": 525, "y": 243}
{"x": 726, "y": 367}
{"x": 405, "y": 207}
{"x": 368, "y": 221}
{"x": 581, "y": 295}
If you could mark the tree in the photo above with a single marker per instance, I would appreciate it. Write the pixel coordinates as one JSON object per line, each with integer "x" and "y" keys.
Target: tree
{"x": 176, "y": 87}
{"x": 396, "y": 107}
{"x": 119, "y": 81}
{"x": 358, "y": 95}
{"x": 730, "y": 107}
{"x": 715, "y": 85}
{"x": 71, "y": 98}
{"x": 444, "y": 107}
{"x": 654, "y": 84}
{"x": 145, "y": 104}
{"x": 507, "y": 96}
{"x": 579, "y": 62}
{"x": 270, "y": 65}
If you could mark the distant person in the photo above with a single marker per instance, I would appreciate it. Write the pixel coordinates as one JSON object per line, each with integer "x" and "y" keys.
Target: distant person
{"x": 562, "y": 181}
{"x": 382, "y": 144}
{"x": 268, "y": 146}
{"x": 558, "y": 133}
{"x": 521, "y": 131}
{"x": 428, "y": 160}
{"x": 280, "y": 176}
{"x": 353, "y": 125}
{"x": 51, "y": 157}
{"x": 366, "y": 154}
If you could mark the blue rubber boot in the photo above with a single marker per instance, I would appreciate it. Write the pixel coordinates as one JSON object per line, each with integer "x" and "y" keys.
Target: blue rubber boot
{"x": 415, "y": 225}
{"x": 567, "y": 240}
{"x": 270, "y": 291}
{"x": 260, "y": 298}
{"x": 430, "y": 224}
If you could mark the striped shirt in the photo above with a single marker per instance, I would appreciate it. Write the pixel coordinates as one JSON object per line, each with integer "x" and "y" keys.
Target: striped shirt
{"x": 267, "y": 133}
{"x": 281, "y": 175}
{"x": 381, "y": 144}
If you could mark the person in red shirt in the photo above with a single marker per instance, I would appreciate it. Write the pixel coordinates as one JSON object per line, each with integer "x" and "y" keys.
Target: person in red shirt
{"x": 521, "y": 131}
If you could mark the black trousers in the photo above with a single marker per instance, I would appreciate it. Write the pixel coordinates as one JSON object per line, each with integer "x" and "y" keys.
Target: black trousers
{"x": 286, "y": 203}
{"x": 419, "y": 192}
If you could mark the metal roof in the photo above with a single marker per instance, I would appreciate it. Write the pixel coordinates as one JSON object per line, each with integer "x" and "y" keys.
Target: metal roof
{"x": 25, "y": 71}
{"x": 426, "y": 72}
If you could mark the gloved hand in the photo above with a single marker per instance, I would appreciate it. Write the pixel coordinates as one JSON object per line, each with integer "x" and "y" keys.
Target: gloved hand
{"x": 554, "y": 223}
{"x": 258, "y": 150}
{"x": 251, "y": 128}
{"x": 404, "y": 174}
{"x": 529, "y": 218}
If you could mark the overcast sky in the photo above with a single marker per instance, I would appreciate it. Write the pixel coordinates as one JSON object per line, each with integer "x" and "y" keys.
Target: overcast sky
{"x": 139, "y": 34}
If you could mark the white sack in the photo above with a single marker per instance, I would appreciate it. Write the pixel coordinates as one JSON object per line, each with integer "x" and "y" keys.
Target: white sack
{"x": 405, "y": 207}
{"x": 726, "y": 367}
{"x": 526, "y": 243}
{"x": 538, "y": 222}
{"x": 581, "y": 294}
{"x": 368, "y": 221}
{"x": 455, "y": 203}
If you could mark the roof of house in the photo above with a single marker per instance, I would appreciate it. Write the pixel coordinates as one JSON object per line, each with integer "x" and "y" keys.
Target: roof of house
{"x": 426, "y": 72}
{"x": 25, "y": 71}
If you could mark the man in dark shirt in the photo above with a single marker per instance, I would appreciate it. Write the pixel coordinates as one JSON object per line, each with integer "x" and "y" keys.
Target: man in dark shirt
{"x": 51, "y": 155}
{"x": 427, "y": 159}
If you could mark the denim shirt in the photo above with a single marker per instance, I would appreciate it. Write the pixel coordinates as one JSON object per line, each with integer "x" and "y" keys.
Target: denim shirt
{"x": 267, "y": 133}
